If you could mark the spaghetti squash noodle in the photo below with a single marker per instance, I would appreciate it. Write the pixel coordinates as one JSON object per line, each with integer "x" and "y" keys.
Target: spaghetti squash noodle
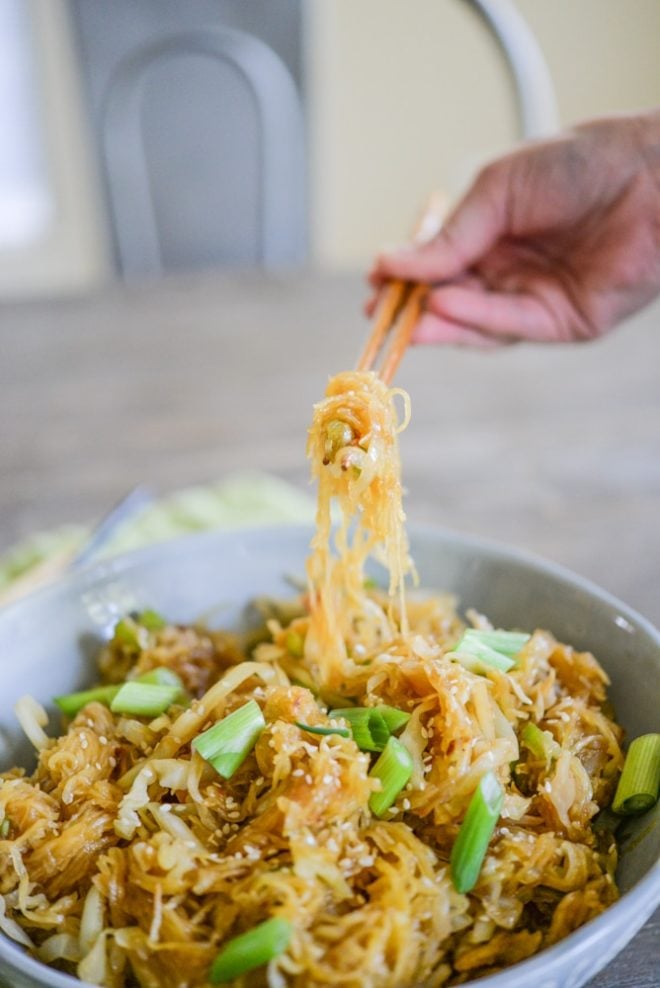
{"x": 368, "y": 790}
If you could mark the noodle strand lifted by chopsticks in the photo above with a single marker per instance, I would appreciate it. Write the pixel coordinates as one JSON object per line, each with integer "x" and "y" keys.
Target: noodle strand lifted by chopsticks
{"x": 361, "y": 472}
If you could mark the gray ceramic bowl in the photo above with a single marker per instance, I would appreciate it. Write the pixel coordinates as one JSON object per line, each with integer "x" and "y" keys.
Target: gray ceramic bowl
{"x": 46, "y": 642}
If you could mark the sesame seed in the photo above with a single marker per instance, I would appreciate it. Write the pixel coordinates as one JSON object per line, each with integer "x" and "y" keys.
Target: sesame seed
{"x": 308, "y": 779}
{"x": 103, "y": 739}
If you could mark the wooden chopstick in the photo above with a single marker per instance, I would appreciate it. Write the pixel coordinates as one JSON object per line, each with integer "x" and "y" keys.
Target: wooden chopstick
{"x": 401, "y": 339}
{"x": 403, "y": 301}
{"x": 393, "y": 301}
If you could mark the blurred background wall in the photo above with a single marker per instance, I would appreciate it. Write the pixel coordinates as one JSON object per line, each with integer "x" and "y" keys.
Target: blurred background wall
{"x": 52, "y": 224}
{"x": 407, "y": 97}
{"x": 396, "y": 99}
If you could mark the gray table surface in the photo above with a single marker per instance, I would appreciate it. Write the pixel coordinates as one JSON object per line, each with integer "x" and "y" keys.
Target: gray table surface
{"x": 553, "y": 449}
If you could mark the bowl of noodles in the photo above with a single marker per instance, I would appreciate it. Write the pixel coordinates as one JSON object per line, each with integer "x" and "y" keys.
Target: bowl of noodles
{"x": 286, "y": 757}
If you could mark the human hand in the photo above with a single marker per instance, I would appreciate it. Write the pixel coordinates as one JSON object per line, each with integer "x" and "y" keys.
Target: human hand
{"x": 558, "y": 241}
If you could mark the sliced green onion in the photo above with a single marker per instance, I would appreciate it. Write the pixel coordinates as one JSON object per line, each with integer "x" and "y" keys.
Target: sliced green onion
{"x": 295, "y": 644}
{"x": 72, "y": 703}
{"x": 4, "y": 828}
{"x": 492, "y": 648}
{"x": 132, "y": 631}
{"x": 368, "y": 727}
{"x": 151, "y": 620}
{"x": 251, "y": 950}
{"x": 227, "y": 744}
{"x": 506, "y": 642}
{"x": 540, "y": 743}
{"x": 474, "y": 655}
{"x": 371, "y": 727}
{"x": 638, "y": 786}
{"x": 162, "y": 676}
{"x": 393, "y": 717}
{"x": 394, "y": 769}
{"x": 143, "y": 699}
{"x": 131, "y": 634}
{"x": 323, "y": 731}
{"x": 470, "y": 847}
{"x": 337, "y": 435}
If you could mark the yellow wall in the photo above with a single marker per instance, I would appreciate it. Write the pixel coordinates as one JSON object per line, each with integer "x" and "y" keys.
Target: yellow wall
{"x": 409, "y": 96}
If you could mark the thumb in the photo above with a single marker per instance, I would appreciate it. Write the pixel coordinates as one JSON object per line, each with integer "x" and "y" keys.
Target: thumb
{"x": 472, "y": 229}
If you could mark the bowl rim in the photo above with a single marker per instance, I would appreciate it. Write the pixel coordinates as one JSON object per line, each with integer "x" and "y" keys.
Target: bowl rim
{"x": 493, "y": 548}
{"x": 644, "y": 895}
